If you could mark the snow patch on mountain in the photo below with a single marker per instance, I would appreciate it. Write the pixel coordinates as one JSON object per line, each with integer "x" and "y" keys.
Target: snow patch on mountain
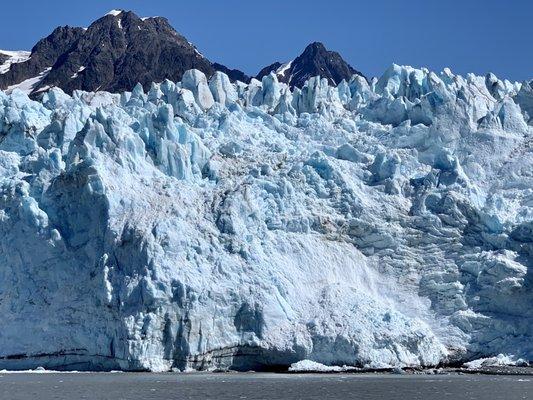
{"x": 27, "y": 86}
{"x": 80, "y": 70}
{"x": 115, "y": 13}
{"x": 312, "y": 366}
{"x": 283, "y": 69}
{"x": 12, "y": 57}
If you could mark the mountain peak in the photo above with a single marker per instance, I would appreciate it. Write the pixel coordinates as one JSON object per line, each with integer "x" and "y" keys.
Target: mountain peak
{"x": 315, "y": 60}
{"x": 114, "y": 53}
{"x": 315, "y": 47}
{"x": 115, "y": 12}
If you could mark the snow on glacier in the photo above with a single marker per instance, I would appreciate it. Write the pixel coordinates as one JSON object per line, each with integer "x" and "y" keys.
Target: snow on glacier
{"x": 206, "y": 224}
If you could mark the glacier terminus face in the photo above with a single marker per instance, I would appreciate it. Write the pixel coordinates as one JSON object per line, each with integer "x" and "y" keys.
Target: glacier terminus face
{"x": 209, "y": 224}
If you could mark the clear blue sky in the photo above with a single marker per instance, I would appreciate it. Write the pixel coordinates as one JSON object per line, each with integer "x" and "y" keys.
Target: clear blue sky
{"x": 466, "y": 35}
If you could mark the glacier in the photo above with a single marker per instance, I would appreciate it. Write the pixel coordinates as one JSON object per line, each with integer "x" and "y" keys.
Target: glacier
{"x": 216, "y": 225}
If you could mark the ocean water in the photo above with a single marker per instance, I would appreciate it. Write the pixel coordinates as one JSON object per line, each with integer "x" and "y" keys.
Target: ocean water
{"x": 133, "y": 386}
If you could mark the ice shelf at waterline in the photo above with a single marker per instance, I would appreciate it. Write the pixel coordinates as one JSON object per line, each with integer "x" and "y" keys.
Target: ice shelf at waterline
{"x": 206, "y": 224}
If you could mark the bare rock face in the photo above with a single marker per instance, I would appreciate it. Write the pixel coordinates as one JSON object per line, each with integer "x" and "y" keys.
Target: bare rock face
{"x": 43, "y": 56}
{"x": 121, "y": 49}
{"x": 115, "y": 53}
{"x": 233, "y": 74}
{"x": 316, "y": 60}
{"x": 118, "y": 51}
{"x": 268, "y": 69}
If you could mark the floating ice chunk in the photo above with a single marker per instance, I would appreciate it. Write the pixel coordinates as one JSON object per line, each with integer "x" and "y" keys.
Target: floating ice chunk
{"x": 312, "y": 366}
{"x": 498, "y": 361}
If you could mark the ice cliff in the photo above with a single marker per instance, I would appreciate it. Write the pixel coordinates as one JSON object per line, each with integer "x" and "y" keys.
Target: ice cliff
{"x": 207, "y": 224}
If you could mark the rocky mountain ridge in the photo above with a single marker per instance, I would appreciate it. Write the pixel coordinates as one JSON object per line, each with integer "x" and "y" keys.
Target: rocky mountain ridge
{"x": 315, "y": 60}
{"x": 114, "y": 53}
{"x": 121, "y": 49}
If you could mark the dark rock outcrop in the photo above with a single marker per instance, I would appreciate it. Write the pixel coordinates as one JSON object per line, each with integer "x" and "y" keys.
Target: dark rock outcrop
{"x": 267, "y": 70}
{"x": 115, "y": 53}
{"x": 43, "y": 55}
{"x": 316, "y": 60}
{"x": 120, "y": 50}
{"x": 233, "y": 74}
